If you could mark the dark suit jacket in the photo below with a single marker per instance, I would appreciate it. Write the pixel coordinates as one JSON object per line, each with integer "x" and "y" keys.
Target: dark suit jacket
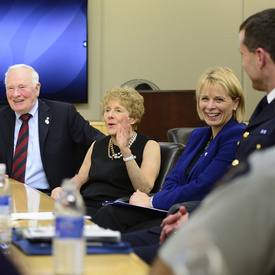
{"x": 64, "y": 141}
{"x": 260, "y": 132}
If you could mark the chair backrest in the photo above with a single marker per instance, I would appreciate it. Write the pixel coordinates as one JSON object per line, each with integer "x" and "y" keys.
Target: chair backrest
{"x": 179, "y": 135}
{"x": 170, "y": 153}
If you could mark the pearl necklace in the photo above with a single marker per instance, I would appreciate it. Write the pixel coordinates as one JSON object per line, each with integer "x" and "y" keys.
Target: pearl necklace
{"x": 119, "y": 154}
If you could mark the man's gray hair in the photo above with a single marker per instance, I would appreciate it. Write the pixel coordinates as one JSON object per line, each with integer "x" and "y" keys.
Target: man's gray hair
{"x": 35, "y": 76}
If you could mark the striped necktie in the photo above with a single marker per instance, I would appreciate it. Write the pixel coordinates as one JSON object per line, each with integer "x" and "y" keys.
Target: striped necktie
{"x": 21, "y": 150}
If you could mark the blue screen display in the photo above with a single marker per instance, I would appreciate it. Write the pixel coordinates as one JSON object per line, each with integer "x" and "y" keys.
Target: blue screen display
{"x": 50, "y": 36}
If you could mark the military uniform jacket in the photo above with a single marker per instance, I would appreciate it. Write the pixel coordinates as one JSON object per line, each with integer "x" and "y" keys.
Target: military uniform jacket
{"x": 260, "y": 132}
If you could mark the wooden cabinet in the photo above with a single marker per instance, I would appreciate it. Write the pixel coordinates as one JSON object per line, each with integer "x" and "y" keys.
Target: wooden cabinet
{"x": 168, "y": 109}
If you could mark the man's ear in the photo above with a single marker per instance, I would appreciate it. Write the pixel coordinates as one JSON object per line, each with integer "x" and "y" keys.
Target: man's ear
{"x": 37, "y": 89}
{"x": 260, "y": 52}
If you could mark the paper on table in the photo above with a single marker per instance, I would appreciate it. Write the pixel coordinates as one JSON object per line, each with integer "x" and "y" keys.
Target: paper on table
{"x": 36, "y": 216}
{"x": 32, "y": 216}
{"x": 91, "y": 233}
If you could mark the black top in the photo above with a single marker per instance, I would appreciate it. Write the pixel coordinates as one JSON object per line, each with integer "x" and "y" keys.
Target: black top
{"x": 108, "y": 179}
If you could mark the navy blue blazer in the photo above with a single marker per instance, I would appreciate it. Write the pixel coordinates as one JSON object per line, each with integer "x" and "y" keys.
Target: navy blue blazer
{"x": 63, "y": 142}
{"x": 259, "y": 133}
{"x": 209, "y": 168}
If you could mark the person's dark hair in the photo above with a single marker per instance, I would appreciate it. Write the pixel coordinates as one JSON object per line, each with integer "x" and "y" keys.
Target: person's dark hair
{"x": 143, "y": 86}
{"x": 260, "y": 32}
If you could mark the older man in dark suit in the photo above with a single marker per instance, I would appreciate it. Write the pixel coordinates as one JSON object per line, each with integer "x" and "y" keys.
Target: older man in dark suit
{"x": 58, "y": 135}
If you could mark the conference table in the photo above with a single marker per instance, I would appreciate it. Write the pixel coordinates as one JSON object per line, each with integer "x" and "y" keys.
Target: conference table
{"x": 28, "y": 200}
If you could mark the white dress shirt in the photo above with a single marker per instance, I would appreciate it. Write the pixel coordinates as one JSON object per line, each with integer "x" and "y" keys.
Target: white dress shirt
{"x": 270, "y": 96}
{"x": 35, "y": 176}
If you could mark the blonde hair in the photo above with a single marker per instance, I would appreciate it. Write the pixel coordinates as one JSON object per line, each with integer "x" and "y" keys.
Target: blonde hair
{"x": 222, "y": 78}
{"x": 130, "y": 99}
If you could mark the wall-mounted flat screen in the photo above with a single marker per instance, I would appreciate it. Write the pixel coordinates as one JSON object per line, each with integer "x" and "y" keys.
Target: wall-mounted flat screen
{"x": 50, "y": 36}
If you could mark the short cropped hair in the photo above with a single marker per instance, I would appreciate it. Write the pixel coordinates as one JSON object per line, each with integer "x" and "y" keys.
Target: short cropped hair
{"x": 130, "y": 99}
{"x": 222, "y": 78}
{"x": 260, "y": 32}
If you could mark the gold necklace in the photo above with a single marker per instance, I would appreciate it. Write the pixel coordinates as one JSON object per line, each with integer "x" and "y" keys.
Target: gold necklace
{"x": 111, "y": 152}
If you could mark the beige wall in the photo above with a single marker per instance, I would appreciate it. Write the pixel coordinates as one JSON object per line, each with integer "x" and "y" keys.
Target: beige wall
{"x": 252, "y": 96}
{"x": 169, "y": 42}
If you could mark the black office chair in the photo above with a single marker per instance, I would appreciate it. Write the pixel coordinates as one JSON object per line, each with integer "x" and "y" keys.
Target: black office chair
{"x": 179, "y": 135}
{"x": 170, "y": 153}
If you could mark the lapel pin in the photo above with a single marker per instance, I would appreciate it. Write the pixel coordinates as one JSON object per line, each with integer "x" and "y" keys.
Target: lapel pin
{"x": 47, "y": 120}
{"x": 263, "y": 131}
